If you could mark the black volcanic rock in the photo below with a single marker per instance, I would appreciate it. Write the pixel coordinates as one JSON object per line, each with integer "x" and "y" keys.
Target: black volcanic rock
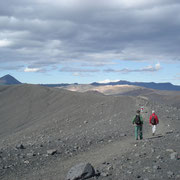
{"x": 8, "y": 80}
{"x": 81, "y": 171}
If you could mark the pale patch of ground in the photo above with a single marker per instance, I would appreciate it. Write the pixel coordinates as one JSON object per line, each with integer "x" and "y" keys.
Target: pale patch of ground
{"x": 107, "y": 90}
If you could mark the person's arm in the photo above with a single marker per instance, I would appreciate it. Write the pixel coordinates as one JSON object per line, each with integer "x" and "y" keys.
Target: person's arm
{"x": 133, "y": 120}
{"x": 150, "y": 119}
{"x": 157, "y": 120}
{"x": 141, "y": 118}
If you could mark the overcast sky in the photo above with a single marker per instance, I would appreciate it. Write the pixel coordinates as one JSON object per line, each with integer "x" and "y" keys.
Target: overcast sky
{"x": 68, "y": 41}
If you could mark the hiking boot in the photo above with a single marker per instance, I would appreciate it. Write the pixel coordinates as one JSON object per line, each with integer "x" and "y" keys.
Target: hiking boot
{"x": 152, "y": 134}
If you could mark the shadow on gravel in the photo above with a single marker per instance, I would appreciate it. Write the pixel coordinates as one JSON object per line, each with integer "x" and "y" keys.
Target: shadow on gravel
{"x": 156, "y": 136}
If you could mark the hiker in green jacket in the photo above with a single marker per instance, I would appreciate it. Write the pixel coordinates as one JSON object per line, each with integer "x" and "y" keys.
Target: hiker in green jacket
{"x": 138, "y": 122}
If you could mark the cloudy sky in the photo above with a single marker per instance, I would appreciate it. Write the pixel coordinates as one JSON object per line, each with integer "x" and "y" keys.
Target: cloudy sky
{"x": 68, "y": 41}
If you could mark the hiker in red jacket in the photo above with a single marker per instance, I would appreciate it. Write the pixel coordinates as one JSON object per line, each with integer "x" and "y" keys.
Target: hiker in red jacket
{"x": 153, "y": 120}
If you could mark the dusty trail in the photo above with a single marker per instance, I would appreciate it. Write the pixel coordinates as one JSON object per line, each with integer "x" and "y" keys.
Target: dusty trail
{"x": 96, "y": 155}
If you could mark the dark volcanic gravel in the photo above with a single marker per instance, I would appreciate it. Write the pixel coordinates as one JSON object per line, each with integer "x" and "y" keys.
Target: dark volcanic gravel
{"x": 45, "y": 131}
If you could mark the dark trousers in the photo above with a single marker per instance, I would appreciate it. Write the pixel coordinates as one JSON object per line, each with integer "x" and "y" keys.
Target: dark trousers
{"x": 138, "y": 132}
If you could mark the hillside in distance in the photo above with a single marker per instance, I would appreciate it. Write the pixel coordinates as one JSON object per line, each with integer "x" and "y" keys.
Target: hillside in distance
{"x": 104, "y": 89}
{"x": 151, "y": 85}
{"x": 45, "y": 131}
{"x": 159, "y": 96}
{"x": 8, "y": 80}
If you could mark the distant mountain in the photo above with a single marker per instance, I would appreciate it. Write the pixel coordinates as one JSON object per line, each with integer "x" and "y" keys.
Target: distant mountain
{"x": 8, "y": 80}
{"x": 152, "y": 85}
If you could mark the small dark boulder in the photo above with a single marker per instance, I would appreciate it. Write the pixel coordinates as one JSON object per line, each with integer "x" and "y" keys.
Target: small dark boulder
{"x": 122, "y": 135}
{"x": 20, "y": 146}
{"x": 80, "y": 172}
{"x": 51, "y": 151}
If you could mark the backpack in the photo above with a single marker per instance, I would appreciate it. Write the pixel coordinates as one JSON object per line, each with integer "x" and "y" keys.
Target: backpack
{"x": 153, "y": 121}
{"x": 137, "y": 120}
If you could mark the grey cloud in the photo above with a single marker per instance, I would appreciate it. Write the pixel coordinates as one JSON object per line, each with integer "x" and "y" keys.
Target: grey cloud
{"x": 69, "y": 69}
{"x": 126, "y": 70}
{"x": 97, "y": 64}
{"x": 12, "y": 67}
{"x": 84, "y": 31}
{"x": 44, "y": 63}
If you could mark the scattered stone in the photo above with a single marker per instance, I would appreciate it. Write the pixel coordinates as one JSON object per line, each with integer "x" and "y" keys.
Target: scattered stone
{"x": 136, "y": 155}
{"x": 76, "y": 147}
{"x": 170, "y": 150}
{"x": 144, "y": 145}
{"x": 178, "y": 176}
{"x": 178, "y": 157}
{"x": 152, "y": 150}
{"x": 81, "y": 171}
{"x": 67, "y": 151}
{"x": 22, "y": 156}
{"x": 20, "y": 146}
{"x": 6, "y": 167}
{"x": 169, "y": 132}
{"x": 26, "y": 162}
{"x": 101, "y": 141}
{"x": 147, "y": 169}
{"x": 89, "y": 142}
{"x": 129, "y": 172}
{"x": 97, "y": 173}
{"x": 109, "y": 167}
{"x": 31, "y": 154}
{"x": 104, "y": 174}
{"x": 159, "y": 157}
{"x": 174, "y": 156}
{"x": 170, "y": 174}
{"x": 45, "y": 155}
{"x": 122, "y": 135}
{"x": 156, "y": 167}
{"x": 105, "y": 162}
{"x": 51, "y": 151}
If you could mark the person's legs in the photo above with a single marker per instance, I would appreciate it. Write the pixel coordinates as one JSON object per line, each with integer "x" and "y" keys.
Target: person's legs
{"x": 136, "y": 132}
{"x": 141, "y": 132}
{"x": 153, "y": 129}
